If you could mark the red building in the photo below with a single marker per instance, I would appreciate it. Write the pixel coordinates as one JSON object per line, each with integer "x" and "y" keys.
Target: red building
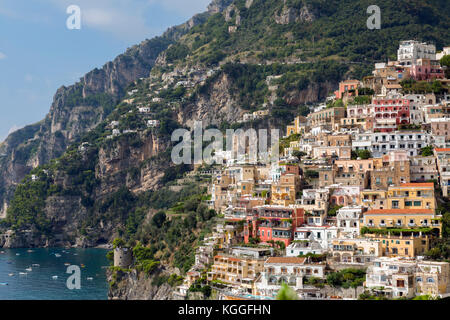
{"x": 275, "y": 223}
{"x": 390, "y": 108}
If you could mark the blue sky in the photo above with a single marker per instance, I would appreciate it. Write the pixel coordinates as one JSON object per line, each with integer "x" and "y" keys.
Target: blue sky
{"x": 38, "y": 54}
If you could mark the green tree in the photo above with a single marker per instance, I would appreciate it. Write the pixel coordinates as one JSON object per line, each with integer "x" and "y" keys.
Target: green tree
{"x": 287, "y": 293}
{"x": 159, "y": 219}
{"x": 427, "y": 151}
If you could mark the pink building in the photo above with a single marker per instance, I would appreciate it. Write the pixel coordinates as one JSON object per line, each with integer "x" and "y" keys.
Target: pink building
{"x": 426, "y": 69}
{"x": 346, "y": 86}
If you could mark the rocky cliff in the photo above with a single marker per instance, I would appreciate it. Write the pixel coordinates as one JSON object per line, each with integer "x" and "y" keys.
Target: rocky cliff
{"x": 134, "y": 285}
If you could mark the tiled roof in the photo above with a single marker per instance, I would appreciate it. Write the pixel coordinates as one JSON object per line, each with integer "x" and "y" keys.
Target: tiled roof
{"x": 412, "y": 184}
{"x": 399, "y": 211}
{"x": 288, "y": 260}
{"x": 442, "y": 149}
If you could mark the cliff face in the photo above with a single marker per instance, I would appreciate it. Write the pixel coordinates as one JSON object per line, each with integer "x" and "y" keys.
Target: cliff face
{"x": 134, "y": 285}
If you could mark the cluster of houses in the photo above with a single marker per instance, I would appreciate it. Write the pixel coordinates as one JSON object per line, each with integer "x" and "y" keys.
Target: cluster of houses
{"x": 358, "y": 187}
{"x": 143, "y": 112}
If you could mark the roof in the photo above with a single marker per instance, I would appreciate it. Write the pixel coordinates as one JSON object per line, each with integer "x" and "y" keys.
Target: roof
{"x": 390, "y": 86}
{"x": 228, "y": 257}
{"x": 287, "y": 260}
{"x": 399, "y": 211}
{"x": 442, "y": 149}
{"x": 412, "y": 184}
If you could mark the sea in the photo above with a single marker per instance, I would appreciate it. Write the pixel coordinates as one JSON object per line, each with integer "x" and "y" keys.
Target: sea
{"x": 48, "y": 277}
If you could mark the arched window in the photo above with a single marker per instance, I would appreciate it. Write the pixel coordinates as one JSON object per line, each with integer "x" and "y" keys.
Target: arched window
{"x": 419, "y": 279}
{"x": 430, "y": 280}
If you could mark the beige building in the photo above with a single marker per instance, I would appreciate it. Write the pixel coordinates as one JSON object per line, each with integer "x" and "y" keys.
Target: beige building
{"x": 423, "y": 169}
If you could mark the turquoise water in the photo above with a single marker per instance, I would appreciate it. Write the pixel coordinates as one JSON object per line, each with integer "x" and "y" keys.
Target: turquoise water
{"x": 39, "y": 284}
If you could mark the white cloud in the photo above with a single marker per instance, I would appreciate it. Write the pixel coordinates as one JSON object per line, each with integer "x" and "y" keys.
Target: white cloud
{"x": 127, "y": 19}
{"x": 122, "y": 18}
{"x": 2, "y": 56}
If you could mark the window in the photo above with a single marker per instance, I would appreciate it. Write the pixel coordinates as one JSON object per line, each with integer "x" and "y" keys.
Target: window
{"x": 419, "y": 279}
{"x": 430, "y": 280}
{"x": 417, "y": 203}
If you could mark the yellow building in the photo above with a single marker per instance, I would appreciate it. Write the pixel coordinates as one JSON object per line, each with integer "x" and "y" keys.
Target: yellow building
{"x": 298, "y": 127}
{"x": 402, "y": 219}
{"x": 373, "y": 199}
{"x": 411, "y": 196}
{"x": 237, "y": 272}
{"x": 284, "y": 191}
{"x": 403, "y": 245}
{"x": 407, "y": 232}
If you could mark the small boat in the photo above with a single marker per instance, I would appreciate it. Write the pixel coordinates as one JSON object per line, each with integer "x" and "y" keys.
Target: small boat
{"x": 3, "y": 283}
{"x": 55, "y": 277}
{"x": 2, "y": 252}
{"x": 35, "y": 265}
{"x": 29, "y": 269}
{"x": 23, "y": 273}
{"x": 90, "y": 278}
{"x": 82, "y": 265}
{"x": 57, "y": 255}
{"x": 17, "y": 254}
{"x": 30, "y": 251}
{"x": 11, "y": 274}
{"x": 67, "y": 264}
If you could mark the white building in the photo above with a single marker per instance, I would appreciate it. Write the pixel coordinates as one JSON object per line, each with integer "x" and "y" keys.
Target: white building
{"x": 381, "y": 143}
{"x": 401, "y": 277}
{"x": 289, "y": 270}
{"x": 144, "y": 109}
{"x": 444, "y": 52}
{"x": 411, "y": 50}
{"x": 152, "y": 123}
{"x": 392, "y": 276}
{"x": 311, "y": 239}
{"x": 348, "y": 221}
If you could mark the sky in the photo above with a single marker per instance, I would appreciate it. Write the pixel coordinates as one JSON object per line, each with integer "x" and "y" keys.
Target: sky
{"x": 39, "y": 54}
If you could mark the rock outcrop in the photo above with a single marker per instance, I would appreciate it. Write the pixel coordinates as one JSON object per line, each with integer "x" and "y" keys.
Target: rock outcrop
{"x": 290, "y": 15}
{"x": 134, "y": 285}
